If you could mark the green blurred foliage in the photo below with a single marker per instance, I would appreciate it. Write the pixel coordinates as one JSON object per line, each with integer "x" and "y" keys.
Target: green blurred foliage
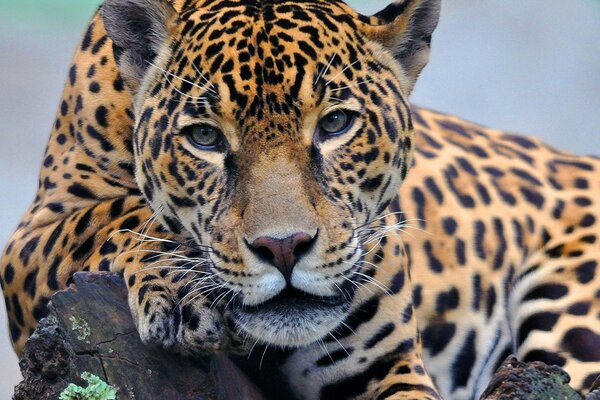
{"x": 52, "y": 12}
{"x": 77, "y": 11}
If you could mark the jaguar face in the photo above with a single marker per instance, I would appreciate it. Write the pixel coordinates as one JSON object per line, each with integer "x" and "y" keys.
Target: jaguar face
{"x": 270, "y": 134}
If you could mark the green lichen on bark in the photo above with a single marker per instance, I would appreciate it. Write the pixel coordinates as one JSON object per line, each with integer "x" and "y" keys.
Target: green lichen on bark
{"x": 81, "y": 327}
{"x": 96, "y": 389}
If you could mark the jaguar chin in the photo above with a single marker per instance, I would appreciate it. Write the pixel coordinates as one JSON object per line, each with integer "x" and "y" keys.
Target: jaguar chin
{"x": 293, "y": 318}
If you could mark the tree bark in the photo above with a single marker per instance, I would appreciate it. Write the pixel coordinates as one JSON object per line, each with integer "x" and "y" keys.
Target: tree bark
{"x": 89, "y": 329}
{"x": 529, "y": 381}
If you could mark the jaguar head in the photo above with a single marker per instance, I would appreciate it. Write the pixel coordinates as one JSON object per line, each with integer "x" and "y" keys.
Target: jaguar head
{"x": 270, "y": 132}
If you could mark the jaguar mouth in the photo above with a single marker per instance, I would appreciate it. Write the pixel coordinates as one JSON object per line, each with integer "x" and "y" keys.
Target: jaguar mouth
{"x": 291, "y": 299}
{"x": 293, "y": 318}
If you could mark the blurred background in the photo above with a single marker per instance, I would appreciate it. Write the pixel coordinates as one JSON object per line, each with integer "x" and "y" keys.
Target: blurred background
{"x": 526, "y": 66}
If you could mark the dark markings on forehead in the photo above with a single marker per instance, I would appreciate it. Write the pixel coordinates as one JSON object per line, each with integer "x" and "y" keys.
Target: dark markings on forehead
{"x": 267, "y": 39}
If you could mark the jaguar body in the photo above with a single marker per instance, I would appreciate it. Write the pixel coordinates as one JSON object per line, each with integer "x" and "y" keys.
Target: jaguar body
{"x": 255, "y": 172}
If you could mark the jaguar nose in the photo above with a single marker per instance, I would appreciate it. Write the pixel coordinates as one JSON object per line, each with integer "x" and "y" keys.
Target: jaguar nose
{"x": 283, "y": 253}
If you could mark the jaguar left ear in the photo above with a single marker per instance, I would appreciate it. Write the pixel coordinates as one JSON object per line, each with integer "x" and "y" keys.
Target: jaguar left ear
{"x": 140, "y": 30}
{"x": 405, "y": 28}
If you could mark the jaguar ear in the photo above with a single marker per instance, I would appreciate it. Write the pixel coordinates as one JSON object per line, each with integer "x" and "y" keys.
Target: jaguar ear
{"x": 139, "y": 30}
{"x": 405, "y": 28}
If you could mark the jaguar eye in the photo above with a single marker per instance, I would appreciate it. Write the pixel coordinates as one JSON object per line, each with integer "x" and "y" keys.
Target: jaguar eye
{"x": 335, "y": 123}
{"x": 205, "y": 137}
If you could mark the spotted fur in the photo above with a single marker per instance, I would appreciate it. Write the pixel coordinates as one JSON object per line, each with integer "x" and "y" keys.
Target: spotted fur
{"x": 414, "y": 284}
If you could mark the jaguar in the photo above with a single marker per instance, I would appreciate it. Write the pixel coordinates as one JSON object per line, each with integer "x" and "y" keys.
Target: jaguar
{"x": 256, "y": 174}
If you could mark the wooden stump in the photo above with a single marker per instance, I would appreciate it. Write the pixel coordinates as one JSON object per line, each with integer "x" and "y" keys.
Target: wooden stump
{"x": 90, "y": 329}
{"x": 529, "y": 381}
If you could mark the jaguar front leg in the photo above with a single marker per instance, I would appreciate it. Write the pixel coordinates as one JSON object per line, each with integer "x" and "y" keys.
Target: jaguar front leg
{"x": 384, "y": 349}
{"x": 392, "y": 370}
{"x": 408, "y": 379}
{"x": 172, "y": 301}
{"x": 174, "y": 298}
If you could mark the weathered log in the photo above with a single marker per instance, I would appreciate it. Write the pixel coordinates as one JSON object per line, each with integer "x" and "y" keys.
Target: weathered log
{"x": 90, "y": 329}
{"x": 529, "y": 381}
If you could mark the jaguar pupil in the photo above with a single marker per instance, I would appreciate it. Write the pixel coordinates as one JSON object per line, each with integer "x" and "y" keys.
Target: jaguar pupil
{"x": 203, "y": 135}
{"x": 335, "y": 122}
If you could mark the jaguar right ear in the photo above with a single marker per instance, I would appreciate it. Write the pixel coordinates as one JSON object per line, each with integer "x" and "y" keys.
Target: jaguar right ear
{"x": 405, "y": 28}
{"x": 139, "y": 29}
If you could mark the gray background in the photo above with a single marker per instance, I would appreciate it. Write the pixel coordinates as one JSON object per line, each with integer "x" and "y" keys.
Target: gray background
{"x": 523, "y": 65}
